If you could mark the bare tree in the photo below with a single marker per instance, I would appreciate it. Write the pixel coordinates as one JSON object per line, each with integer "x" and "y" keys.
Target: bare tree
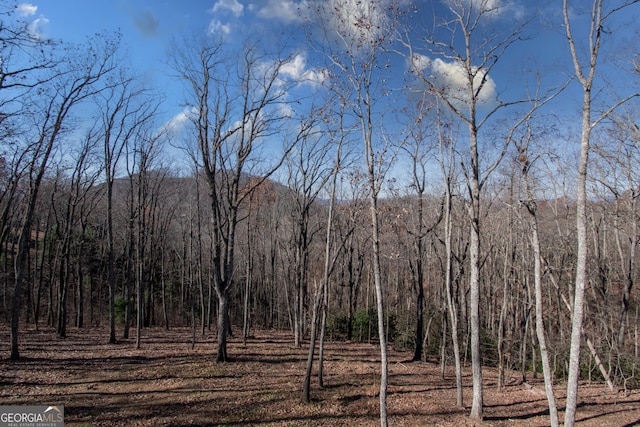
{"x": 467, "y": 91}
{"x": 526, "y": 161}
{"x": 337, "y": 137}
{"x": 418, "y": 149}
{"x": 585, "y": 72}
{"x": 348, "y": 229}
{"x": 144, "y": 152}
{"x": 617, "y": 165}
{"x": 447, "y": 160}
{"x": 84, "y": 71}
{"x": 359, "y": 31}
{"x": 27, "y": 64}
{"x": 70, "y": 214}
{"x": 233, "y": 107}
{"x": 308, "y": 172}
{"x": 123, "y": 111}
{"x": 89, "y": 173}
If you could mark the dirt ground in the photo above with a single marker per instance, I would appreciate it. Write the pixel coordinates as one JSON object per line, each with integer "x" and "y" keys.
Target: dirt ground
{"x": 166, "y": 383}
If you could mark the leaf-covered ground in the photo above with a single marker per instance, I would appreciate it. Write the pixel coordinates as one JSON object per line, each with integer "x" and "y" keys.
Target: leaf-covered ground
{"x": 167, "y": 383}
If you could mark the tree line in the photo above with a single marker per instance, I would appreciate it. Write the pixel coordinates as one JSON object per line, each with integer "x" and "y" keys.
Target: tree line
{"x": 493, "y": 248}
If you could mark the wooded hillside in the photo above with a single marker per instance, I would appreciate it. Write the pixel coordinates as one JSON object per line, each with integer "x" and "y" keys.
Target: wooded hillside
{"x": 431, "y": 209}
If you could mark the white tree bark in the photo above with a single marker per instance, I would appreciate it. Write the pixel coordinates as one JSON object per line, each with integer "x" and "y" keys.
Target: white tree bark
{"x": 537, "y": 272}
{"x": 585, "y": 75}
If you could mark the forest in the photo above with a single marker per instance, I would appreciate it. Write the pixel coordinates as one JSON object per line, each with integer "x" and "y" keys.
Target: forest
{"x": 425, "y": 219}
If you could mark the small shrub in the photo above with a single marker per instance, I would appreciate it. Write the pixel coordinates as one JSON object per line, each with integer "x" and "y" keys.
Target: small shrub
{"x": 120, "y": 307}
{"x": 363, "y": 329}
{"x": 405, "y": 341}
{"x": 391, "y": 325}
{"x": 626, "y": 372}
{"x": 337, "y": 324}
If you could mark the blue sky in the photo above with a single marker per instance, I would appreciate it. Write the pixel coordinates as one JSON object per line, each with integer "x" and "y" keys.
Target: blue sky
{"x": 148, "y": 26}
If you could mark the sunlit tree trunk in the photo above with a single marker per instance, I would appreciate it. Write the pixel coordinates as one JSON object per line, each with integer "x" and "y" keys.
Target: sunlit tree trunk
{"x": 476, "y": 55}
{"x": 585, "y": 74}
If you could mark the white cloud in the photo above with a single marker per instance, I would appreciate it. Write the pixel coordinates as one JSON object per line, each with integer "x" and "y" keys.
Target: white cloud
{"x": 26, "y": 9}
{"x": 175, "y": 125}
{"x": 286, "y": 110}
{"x": 420, "y": 62}
{"x": 292, "y": 76}
{"x": 216, "y": 28}
{"x": 296, "y": 69}
{"x": 36, "y": 27}
{"x": 232, "y": 6}
{"x": 451, "y": 78}
{"x": 285, "y": 10}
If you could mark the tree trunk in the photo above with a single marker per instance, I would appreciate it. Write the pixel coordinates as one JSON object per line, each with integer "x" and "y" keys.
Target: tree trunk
{"x": 503, "y": 314}
{"x": 247, "y": 293}
{"x": 62, "y": 292}
{"x": 306, "y": 388}
{"x": 627, "y": 263}
{"x": 223, "y": 323}
{"x": 417, "y": 354}
{"x": 581, "y": 266}
{"x": 474, "y": 320}
{"x": 163, "y": 282}
{"x": 377, "y": 278}
{"x": 80, "y": 279}
{"x": 447, "y": 175}
{"x": 323, "y": 330}
{"x": 140, "y": 294}
{"x": 19, "y": 269}
{"x": 111, "y": 278}
{"x": 531, "y": 209}
{"x": 443, "y": 347}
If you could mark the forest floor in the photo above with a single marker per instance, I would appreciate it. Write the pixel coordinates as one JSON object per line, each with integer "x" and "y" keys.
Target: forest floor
{"x": 167, "y": 383}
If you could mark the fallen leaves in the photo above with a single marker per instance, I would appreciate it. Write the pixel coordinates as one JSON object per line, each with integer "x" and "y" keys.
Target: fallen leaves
{"x": 167, "y": 383}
